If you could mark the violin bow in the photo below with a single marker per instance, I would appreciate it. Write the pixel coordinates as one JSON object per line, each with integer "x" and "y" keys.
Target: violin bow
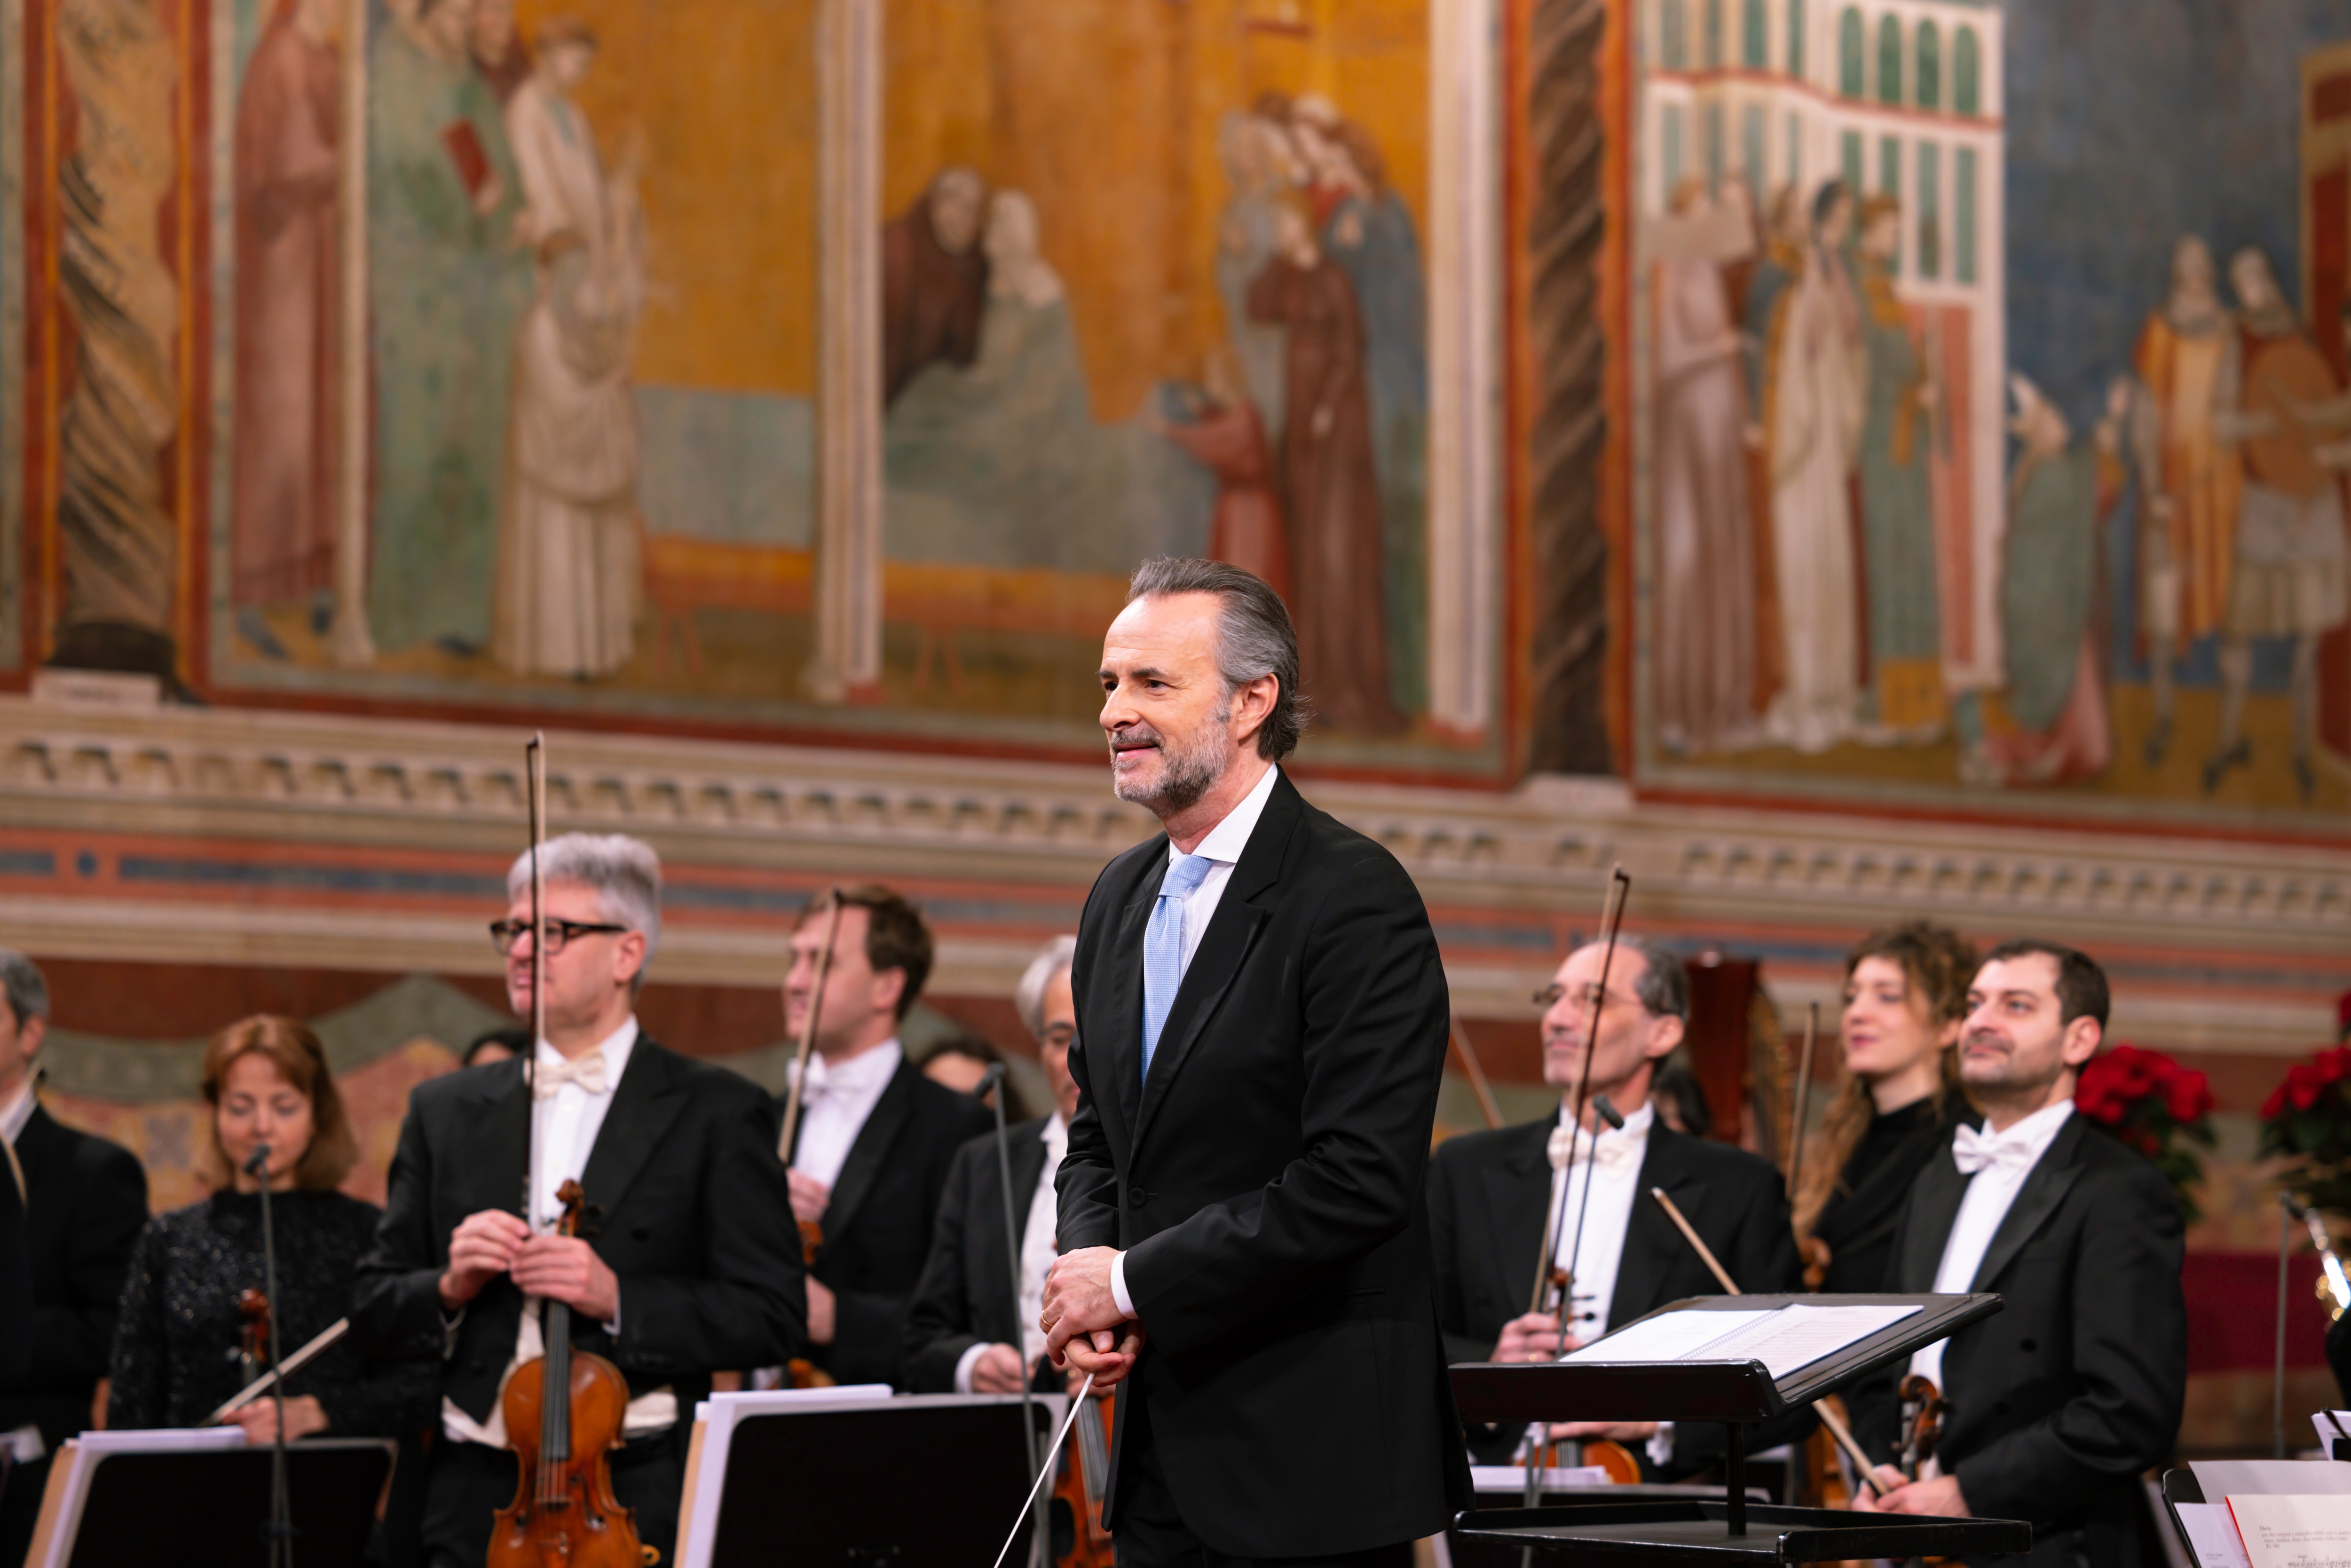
{"x": 1618, "y": 892}
{"x": 1612, "y": 919}
{"x": 533, "y": 753}
{"x": 808, "y": 1028}
{"x": 1475, "y": 1070}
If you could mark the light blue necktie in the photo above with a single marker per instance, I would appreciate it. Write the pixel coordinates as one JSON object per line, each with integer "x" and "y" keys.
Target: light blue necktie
{"x": 1163, "y": 947}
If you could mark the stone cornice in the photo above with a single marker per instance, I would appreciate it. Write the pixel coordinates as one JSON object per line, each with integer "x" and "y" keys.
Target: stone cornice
{"x": 1800, "y": 882}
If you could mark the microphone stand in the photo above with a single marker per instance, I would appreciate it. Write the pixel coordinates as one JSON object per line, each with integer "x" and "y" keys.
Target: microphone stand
{"x": 993, "y": 1079}
{"x": 280, "y": 1531}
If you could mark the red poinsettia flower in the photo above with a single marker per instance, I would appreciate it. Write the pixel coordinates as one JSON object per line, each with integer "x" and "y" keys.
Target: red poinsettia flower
{"x": 2275, "y": 1103}
{"x": 2189, "y": 1096}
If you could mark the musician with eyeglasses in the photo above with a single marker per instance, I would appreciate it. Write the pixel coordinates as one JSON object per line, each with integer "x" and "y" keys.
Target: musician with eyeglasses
{"x": 688, "y": 1263}
{"x": 1495, "y": 1196}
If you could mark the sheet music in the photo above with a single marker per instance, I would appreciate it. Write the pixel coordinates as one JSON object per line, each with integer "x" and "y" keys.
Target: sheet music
{"x": 1797, "y": 1335}
{"x": 2294, "y": 1531}
{"x": 2211, "y": 1534}
{"x": 1783, "y": 1340}
{"x": 1669, "y": 1336}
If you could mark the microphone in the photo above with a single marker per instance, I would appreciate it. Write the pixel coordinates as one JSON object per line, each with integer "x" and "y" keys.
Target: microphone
{"x": 1608, "y": 1114}
{"x": 988, "y": 1080}
{"x": 258, "y": 1161}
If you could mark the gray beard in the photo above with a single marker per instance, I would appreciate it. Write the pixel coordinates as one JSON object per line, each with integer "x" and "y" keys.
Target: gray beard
{"x": 1188, "y": 770}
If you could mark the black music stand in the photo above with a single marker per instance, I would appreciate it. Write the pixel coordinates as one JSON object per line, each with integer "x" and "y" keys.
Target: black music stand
{"x": 1647, "y": 1532}
{"x": 209, "y": 1508}
{"x": 826, "y": 1482}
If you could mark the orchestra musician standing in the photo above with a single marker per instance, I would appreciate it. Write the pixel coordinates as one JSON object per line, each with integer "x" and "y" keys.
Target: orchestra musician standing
{"x": 1262, "y": 1021}
{"x": 2064, "y": 1399}
{"x": 266, "y": 1081}
{"x": 85, "y": 1202}
{"x": 1493, "y": 1197}
{"x": 965, "y": 1333}
{"x": 690, "y": 1265}
{"x": 875, "y": 1136}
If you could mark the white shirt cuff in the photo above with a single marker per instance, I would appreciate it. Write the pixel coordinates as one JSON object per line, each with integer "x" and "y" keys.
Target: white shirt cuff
{"x": 1661, "y": 1444}
{"x": 964, "y": 1365}
{"x": 1118, "y": 1284}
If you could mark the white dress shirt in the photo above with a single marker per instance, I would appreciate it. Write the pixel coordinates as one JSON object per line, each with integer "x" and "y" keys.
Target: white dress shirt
{"x": 1223, "y": 847}
{"x": 1036, "y": 1255}
{"x": 1992, "y": 1193}
{"x": 834, "y": 1104}
{"x": 563, "y": 1131}
{"x": 1617, "y": 1155}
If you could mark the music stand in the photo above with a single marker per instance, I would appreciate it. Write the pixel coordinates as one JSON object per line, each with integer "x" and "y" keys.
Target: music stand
{"x": 819, "y": 1478}
{"x": 185, "y": 1498}
{"x": 1645, "y": 1533}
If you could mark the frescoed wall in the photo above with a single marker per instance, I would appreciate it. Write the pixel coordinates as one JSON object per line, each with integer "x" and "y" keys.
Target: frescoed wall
{"x": 1988, "y": 404}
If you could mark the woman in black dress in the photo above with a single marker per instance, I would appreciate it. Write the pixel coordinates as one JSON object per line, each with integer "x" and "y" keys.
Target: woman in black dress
{"x": 178, "y": 1348}
{"x": 1897, "y": 1100}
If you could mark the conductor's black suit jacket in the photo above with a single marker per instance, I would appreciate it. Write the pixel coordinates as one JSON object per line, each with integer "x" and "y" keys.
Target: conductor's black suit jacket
{"x": 965, "y": 1296}
{"x": 1487, "y": 1196}
{"x": 687, "y": 1205}
{"x": 1266, "y": 1184}
{"x": 2061, "y": 1400}
{"x": 878, "y": 1222}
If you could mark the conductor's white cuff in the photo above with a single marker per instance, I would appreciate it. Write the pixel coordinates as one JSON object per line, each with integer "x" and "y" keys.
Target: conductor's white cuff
{"x": 1118, "y": 1284}
{"x": 964, "y": 1363}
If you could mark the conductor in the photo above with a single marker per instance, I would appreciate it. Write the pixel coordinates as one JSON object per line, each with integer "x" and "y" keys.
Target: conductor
{"x": 1261, "y": 1018}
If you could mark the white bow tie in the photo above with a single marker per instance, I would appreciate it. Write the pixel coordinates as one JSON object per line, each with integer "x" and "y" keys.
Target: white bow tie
{"x": 587, "y": 1072}
{"x": 1614, "y": 1156}
{"x": 1972, "y": 1151}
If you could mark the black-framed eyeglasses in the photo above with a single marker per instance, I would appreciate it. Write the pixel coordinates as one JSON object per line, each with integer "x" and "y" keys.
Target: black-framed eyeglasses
{"x": 559, "y": 933}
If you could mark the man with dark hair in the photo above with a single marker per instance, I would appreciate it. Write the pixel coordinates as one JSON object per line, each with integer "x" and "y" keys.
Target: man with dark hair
{"x": 1494, "y": 1197}
{"x": 85, "y": 1203}
{"x": 2061, "y": 1402}
{"x": 1261, "y": 1023}
{"x": 870, "y": 1156}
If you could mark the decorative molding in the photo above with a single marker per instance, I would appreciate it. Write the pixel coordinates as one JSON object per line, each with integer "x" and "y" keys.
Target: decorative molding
{"x": 2235, "y": 945}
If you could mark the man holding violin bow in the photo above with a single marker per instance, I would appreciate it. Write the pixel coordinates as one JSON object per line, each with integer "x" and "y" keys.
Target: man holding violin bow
{"x": 688, "y": 1263}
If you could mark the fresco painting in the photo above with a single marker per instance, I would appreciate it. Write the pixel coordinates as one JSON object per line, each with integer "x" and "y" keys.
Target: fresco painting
{"x": 1991, "y": 439}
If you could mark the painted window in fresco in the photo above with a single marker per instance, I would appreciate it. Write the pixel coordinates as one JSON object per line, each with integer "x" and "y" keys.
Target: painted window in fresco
{"x": 1964, "y": 66}
{"x": 1751, "y": 149}
{"x": 1849, "y": 52}
{"x": 1796, "y": 39}
{"x": 1930, "y": 65}
{"x": 1673, "y": 35}
{"x": 1754, "y": 37}
{"x": 1930, "y": 214}
{"x": 1963, "y": 214}
{"x": 1889, "y": 59}
{"x": 1712, "y": 42}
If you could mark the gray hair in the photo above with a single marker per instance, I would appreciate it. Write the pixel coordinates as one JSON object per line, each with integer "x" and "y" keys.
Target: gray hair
{"x": 1254, "y": 637}
{"x": 1054, "y": 958}
{"x": 28, "y": 992}
{"x": 1664, "y": 987}
{"x": 623, "y": 872}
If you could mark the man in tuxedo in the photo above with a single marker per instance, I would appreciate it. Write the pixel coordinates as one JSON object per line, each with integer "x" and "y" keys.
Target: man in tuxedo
{"x": 2063, "y": 1400}
{"x": 1493, "y": 1197}
{"x": 687, "y": 1262}
{"x": 1261, "y": 1023}
{"x": 85, "y": 1203}
{"x": 964, "y": 1325}
{"x": 875, "y": 1136}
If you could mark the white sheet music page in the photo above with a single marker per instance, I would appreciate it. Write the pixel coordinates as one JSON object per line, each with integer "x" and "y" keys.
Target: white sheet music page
{"x": 1783, "y": 1340}
{"x": 2296, "y": 1531}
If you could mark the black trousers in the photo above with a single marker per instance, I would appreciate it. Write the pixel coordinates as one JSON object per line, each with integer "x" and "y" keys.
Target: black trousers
{"x": 20, "y": 1509}
{"x": 469, "y": 1482}
{"x": 1151, "y": 1532}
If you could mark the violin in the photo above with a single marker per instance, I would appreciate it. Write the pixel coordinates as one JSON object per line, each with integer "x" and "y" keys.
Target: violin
{"x": 564, "y": 1412}
{"x": 1923, "y": 1412}
{"x": 253, "y": 1335}
{"x": 1081, "y": 1489}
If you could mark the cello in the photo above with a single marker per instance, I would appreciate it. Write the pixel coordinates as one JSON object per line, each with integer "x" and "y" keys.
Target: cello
{"x": 564, "y": 1408}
